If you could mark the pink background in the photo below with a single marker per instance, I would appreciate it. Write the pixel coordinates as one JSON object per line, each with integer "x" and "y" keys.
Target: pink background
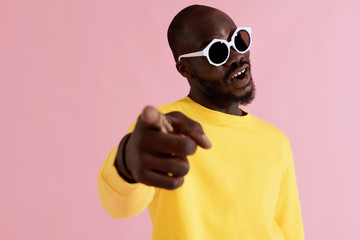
{"x": 75, "y": 74}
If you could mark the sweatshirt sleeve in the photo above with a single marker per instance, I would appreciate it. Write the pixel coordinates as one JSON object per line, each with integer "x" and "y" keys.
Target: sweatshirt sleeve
{"x": 118, "y": 197}
{"x": 288, "y": 210}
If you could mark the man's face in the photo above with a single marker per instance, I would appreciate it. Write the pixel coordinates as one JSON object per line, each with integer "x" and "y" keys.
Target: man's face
{"x": 211, "y": 82}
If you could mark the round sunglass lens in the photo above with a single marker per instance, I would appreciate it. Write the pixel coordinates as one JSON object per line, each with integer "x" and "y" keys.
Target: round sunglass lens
{"x": 242, "y": 40}
{"x": 218, "y": 52}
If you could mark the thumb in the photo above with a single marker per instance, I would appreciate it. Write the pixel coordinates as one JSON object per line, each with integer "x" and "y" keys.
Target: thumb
{"x": 151, "y": 116}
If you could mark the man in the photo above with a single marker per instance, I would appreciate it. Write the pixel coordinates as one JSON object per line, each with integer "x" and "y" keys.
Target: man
{"x": 242, "y": 184}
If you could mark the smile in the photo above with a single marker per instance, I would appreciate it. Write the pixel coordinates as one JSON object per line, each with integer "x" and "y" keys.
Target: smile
{"x": 238, "y": 74}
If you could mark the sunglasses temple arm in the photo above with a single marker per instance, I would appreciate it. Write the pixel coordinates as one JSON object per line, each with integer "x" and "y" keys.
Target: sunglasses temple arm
{"x": 194, "y": 54}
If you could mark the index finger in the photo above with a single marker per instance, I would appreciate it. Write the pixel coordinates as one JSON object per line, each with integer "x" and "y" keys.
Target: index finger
{"x": 188, "y": 127}
{"x": 153, "y": 118}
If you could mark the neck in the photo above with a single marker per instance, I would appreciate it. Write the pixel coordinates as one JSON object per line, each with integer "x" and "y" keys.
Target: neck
{"x": 220, "y": 105}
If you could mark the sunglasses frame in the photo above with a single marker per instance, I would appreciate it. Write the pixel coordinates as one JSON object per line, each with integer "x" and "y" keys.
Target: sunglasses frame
{"x": 205, "y": 51}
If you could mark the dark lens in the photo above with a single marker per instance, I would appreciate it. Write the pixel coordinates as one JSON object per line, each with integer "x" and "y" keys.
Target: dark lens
{"x": 218, "y": 52}
{"x": 242, "y": 40}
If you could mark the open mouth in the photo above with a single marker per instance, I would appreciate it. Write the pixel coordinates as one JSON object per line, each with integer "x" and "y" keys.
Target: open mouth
{"x": 239, "y": 74}
{"x": 240, "y": 78}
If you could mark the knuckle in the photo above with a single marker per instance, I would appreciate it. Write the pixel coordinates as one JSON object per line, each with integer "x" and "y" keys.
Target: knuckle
{"x": 196, "y": 127}
{"x": 176, "y": 114}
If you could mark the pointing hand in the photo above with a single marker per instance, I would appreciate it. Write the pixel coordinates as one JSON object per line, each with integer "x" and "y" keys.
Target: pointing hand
{"x": 156, "y": 152}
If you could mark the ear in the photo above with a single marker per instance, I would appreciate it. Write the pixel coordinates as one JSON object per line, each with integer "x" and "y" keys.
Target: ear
{"x": 184, "y": 69}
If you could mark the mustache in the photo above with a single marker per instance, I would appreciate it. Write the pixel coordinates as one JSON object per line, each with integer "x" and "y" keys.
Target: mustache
{"x": 242, "y": 62}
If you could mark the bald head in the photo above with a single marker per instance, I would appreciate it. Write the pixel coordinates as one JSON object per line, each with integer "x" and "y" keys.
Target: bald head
{"x": 187, "y": 23}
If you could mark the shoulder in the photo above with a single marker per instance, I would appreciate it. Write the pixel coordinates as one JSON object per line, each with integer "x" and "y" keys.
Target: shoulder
{"x": 178, "y": 105}
{"x": 271, "y": 132}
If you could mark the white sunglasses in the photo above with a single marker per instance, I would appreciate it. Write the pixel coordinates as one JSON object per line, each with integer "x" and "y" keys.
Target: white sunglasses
{"x": 217, "y": 51}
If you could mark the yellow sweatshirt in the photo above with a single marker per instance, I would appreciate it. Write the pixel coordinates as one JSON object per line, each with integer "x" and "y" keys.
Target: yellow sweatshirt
{"x": 244, "y": 187}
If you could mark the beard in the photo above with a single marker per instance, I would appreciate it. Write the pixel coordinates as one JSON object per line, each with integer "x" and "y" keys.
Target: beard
{"x": 213, "y": 91}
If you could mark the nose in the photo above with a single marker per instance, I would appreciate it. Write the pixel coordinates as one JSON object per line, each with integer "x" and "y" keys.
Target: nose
{"x": 234, "y": 58}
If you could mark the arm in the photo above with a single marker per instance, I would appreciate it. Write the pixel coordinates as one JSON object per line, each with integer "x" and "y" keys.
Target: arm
{"x": 118, "y": 197}
{"x": 155, "y": 154}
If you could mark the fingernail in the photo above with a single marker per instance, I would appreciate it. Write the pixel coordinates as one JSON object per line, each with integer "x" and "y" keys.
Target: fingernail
{"x": 165, "y": 125}
{"x": 149, "y": 115}
{"x": 207, "y": 141}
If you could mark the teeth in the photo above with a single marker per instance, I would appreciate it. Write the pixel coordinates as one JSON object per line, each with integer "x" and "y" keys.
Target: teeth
{"x": 239, "y": 73}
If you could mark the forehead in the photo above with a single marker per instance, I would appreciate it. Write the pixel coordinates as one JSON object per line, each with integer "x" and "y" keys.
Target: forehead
{"x": 204, "y": 26}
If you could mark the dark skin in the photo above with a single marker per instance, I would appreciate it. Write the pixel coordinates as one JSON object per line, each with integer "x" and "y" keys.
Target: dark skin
{"x": 198, "y": 70}
{"x": 156, "y": 155}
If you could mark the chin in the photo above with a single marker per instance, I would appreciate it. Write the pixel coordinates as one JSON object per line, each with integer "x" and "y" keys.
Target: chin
{"x": 248, "y": 97}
